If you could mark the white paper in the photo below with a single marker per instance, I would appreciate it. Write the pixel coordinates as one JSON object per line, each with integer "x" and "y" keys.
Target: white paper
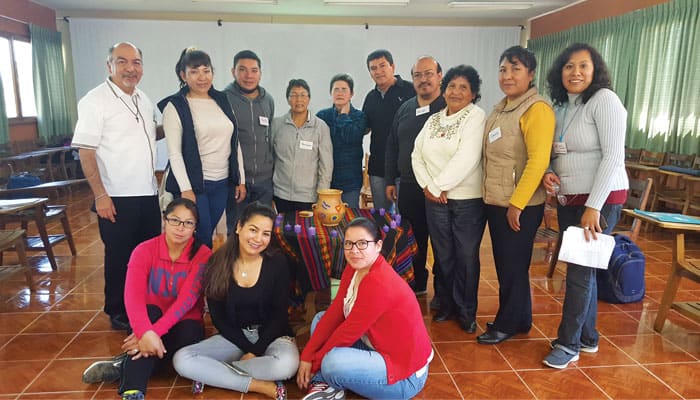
{"x": 595, "y": 253}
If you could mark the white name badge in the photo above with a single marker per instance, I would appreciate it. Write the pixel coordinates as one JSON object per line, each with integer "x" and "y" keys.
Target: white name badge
{"x": 559, "y": 147}
{"x": 422, "y": 110}
{"x": 495, "y": 134}
{"x": 264, "y": 121}
{"x": 306, "y": 145}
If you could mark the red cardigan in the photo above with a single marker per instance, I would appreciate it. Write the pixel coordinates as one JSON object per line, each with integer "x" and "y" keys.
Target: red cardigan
{"x": 175, "y": 287}
{"x": 387, "y": 311}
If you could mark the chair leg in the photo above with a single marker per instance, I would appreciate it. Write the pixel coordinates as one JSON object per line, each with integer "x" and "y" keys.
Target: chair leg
{"x": 555, "y": 258}
{"x": 41, "y": 227}
{"x": 68, "y": 233}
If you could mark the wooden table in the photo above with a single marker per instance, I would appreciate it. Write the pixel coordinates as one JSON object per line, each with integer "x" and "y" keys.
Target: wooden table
{"x": 22, "y": 161}
{"x": 42, "y": 190}
{"x": 681, "y": 268}
{"x": 11, "y": 209}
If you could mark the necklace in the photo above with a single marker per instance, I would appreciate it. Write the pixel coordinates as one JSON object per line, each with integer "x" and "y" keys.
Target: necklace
{"x": 134, "y": 99}
{"x": 245, "y": 269}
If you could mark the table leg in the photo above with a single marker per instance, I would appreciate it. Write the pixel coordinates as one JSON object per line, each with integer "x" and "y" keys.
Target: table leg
{"x": 22, "y": 256}
{"x": 41, "y": 227}
{"x": 673, "y": 282}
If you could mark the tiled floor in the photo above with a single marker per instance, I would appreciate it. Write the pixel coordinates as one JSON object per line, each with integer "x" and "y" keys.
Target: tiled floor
{"x": 48, "y": 338}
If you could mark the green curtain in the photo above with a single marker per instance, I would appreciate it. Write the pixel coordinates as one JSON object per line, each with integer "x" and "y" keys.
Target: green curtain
{"x": 53, "y": 115}
{"x": 654, "y": 63}
{"x": 4, "y": 127}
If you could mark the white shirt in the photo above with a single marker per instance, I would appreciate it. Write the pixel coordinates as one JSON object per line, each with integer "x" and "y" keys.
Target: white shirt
{"x": 122, "y": 130}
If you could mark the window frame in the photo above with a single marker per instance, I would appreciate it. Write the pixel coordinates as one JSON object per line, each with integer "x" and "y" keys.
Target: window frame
{"x": 20, "y": 119}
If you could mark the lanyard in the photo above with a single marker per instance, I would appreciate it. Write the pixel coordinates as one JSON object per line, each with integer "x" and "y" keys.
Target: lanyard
{"x": 563, "y": 131}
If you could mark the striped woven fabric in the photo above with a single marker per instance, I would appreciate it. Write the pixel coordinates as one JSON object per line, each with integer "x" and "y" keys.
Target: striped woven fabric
{"x": 321, "y": 251}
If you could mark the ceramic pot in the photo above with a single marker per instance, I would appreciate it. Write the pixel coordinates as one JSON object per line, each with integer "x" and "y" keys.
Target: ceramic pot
{"x": 329, "y": 207}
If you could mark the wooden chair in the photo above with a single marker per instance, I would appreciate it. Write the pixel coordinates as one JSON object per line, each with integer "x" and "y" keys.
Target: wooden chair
{"x": 637, "y": 197}
{"x": 548, "y": 233}
{"x": 14, "y": 240}
{"x": 632, "y": 155}
{"x": 366, "y": 191}
{"x": 652, "y": 158}
{"x": 669, "y": 186}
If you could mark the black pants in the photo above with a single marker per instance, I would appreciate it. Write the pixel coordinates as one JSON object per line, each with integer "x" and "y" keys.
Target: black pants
{"x": 135, "y": 374}
{"x": 512, "y": 252}
{"x": 286, "y": 206}
{"x": 138, "y": 219}
{"x": 412, "y": 207}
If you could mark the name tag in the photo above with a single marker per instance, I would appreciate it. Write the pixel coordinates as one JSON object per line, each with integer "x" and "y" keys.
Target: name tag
{"x": 422, "y": 110}
{"x": 495, "y": 134}
{"x": 306, "y": 145}
{"x": 559, "y": 147}
{"x": 264, "y": 121}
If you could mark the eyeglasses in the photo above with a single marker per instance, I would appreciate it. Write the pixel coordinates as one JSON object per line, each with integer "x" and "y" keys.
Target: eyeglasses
{"x": 360, "y": 244}
{"x": 298, "y": 96}
{"x": 426, "y": 74}
{"x": 177, "y": 222}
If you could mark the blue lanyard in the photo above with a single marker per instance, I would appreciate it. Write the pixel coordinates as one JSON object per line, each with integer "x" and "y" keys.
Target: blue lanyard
{"x": 563, "y": 130}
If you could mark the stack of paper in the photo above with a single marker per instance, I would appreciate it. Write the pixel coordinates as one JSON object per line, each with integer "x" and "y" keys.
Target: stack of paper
{"x": 594, "y": 253}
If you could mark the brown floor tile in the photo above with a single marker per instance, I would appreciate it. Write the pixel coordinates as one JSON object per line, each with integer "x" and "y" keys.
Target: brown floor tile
{"x": 525, "y": 354}
{"x": 61, "y": 376}
{"x": 620, "y": 324}
{"x": 546, "y": 305}
{"x": 30, "y": 302}
{"x": 16, "y": 375}
{"x": 64, "y": 321}
{"x": 99, "y": 323}
{"x": 447, "y": 331}
{"x": 652, "y": 348}
{"x": 655, "y": 283}
{"x": 547, "y": 324}
{"x": 488, "y": 306}
{"x": 152, "y": 394}
{"x": 80, "y": 301}
{"x": 62, "y": 395}
{"x": 14, "y": 322}
{"x": 491, "y": 385}
{"x": 439, "y": 386}
{"x": 683, "y": 378}
{"x": 607, "y": 355}
{"x": 560, "y": 384}
{"x": 35, "y": 346}
{"x": 185, "y": 392}
{"x": 631, "y": 382}
{"x": 471, "y": 356}
{"x": 94, "y": 344}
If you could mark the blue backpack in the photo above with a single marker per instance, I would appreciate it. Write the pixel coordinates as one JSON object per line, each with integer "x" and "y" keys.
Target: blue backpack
{"x": 623, "y": 281}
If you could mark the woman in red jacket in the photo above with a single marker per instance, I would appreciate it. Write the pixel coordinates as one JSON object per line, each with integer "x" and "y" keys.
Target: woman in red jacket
{"x": 372, "y": 340}
{"x": 164, "y": 302}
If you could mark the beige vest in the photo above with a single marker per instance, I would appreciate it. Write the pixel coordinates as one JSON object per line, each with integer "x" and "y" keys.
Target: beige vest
{"x": 505, "y": 158}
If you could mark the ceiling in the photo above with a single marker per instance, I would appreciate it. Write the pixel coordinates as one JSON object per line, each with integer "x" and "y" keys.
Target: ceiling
{"x": 416, "y": 9}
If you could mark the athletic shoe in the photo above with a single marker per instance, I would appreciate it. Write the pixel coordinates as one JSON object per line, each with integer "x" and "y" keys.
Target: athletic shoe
{"x": 584, "y": 348}
{"x": 323, "y": 391}
{"x": 133, "y": 395}
{"x": 104, "y": 371}
{"x": 560, "y": 359}
{"x": 281, "y": 391}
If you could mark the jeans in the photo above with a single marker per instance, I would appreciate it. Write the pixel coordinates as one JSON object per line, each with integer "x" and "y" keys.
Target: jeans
{"x": 363, "y": 371}
{"x": 456, "y": 229}
{"x": 581, "y": 298}
{"x": 138, "y": 219}
{"x": 352, "y": 198}
{"x": 206, "y": 362}
{"x": 259, "y": 191}
{"x": 135, "y": 373}
{"x": 210, "y": 207}
{"x": 378, "y": 186}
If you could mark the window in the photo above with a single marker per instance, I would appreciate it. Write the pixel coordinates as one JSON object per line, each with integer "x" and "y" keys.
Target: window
{"x": 16, "y": 73}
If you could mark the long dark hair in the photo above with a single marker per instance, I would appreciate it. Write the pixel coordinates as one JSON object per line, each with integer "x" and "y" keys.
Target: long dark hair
{"x": 193, "y": 58}
{"x": 601, "y": 77}
{"x": 191, "y": 207}
{"x": 218, "y": 275}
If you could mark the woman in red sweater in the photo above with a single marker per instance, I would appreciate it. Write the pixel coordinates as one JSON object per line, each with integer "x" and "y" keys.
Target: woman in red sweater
{"x": 372, "y": 340}
{"x": 163, "y": 300}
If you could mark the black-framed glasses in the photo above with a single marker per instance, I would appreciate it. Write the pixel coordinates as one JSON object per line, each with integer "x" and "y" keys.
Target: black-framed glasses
{"x": 360, "y": 244}
{"x": 177, "y": 222}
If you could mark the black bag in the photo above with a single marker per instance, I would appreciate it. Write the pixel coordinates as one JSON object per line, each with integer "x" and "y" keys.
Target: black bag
{"x": 623, "y": 281}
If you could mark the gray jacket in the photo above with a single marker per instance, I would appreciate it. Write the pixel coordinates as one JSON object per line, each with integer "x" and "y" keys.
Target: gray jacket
{"x": 303, "y": 158}
{"x": 253, "y": 136}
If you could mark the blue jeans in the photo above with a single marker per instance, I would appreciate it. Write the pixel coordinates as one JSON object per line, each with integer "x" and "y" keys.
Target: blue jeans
{"x": 456, "y": 229}
{"x": 363, "y": 371}
{"x": 581, "y": 298}
{"x": 210, "y": 207}
{"x": 259, "y": 191}
{"x": 378, "y": 186}
{"x": 352, "y": 198}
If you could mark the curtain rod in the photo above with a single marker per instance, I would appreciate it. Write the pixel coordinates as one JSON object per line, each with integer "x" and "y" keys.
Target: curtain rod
{"x": 14, "y": 19}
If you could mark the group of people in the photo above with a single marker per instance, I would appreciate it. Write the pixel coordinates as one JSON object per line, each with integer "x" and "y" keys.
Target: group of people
{"x": 448, "y": 166}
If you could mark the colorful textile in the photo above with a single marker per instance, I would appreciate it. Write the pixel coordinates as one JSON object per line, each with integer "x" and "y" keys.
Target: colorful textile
{"x": 321, "y": 249}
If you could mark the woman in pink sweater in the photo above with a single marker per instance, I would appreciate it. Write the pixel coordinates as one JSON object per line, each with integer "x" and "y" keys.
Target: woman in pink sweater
{"x": 372, "y": 340}
{"x": 163, "y": 300}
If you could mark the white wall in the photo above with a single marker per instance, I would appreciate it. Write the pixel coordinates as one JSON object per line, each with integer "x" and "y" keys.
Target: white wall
{"x": 312, "y": 52}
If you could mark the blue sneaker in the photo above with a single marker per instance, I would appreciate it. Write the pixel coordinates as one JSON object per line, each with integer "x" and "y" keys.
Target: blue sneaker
{"x": 584, "y": 348}
{"x": 133, "y": 395}
{"x": 559, "y": 358}
{"x": 324, "y": 391}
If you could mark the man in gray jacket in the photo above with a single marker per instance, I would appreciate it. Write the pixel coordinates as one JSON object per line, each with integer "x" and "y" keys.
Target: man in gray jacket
{"x": 254, "y": 109}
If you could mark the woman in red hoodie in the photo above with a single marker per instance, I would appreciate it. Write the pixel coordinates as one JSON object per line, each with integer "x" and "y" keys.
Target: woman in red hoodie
{"x": 372, "y": 340}
{"x": 163, "y": 300}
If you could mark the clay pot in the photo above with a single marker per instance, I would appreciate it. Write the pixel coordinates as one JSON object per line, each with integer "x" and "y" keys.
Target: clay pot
{"x": 329, "y": 208}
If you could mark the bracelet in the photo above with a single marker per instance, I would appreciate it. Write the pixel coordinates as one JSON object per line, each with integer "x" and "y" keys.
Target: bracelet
{"x": 101, "y": 196}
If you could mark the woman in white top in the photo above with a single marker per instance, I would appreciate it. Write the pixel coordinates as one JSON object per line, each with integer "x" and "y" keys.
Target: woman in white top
{"x": 447, "y": 163}
{"x": 201, "y": 132}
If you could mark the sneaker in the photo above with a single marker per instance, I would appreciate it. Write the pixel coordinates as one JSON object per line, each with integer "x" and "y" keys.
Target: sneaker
{"x": 584, "y": 348}
{"x": 323, "y": 391}
{"x": 281, "y": 391}
{"x": 558, "y": 358}
{"x": 104, "y": 371}
{"x": 133, "y": 395}
{"x": 197, "y": 387}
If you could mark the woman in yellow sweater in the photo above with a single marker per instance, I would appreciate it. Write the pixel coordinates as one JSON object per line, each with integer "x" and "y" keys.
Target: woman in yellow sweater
{"x": 517, "y": 143}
